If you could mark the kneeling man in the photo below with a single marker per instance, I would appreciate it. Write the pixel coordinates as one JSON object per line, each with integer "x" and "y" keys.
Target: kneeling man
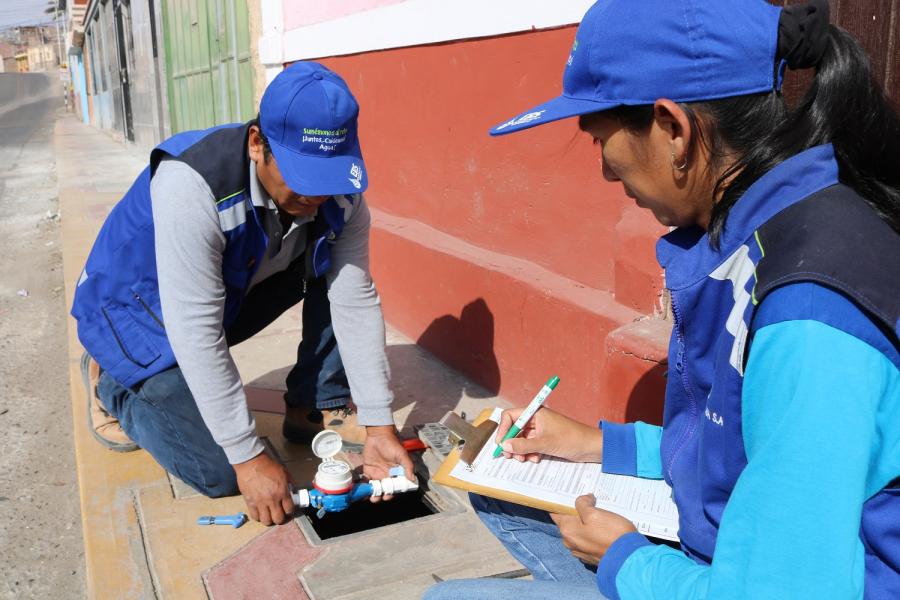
{"x": 225, "y": 230}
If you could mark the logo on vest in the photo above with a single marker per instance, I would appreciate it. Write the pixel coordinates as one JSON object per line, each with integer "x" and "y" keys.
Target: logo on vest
{"x": 715, "y": 417}
{"x": 356, "y": 174}
{"x": 738, "y": 269}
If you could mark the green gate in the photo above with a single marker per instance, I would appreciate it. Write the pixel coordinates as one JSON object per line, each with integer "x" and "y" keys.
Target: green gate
{"x": 208, "y": 70}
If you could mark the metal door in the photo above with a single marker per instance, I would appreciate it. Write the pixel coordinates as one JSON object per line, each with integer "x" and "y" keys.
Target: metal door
{"x": 109, "y": 63}
{"x": 125, "y": 53}
{"x": 208, "y": 70}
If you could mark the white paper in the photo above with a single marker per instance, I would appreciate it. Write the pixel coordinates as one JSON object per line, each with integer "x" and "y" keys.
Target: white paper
{"x": 645, "y": 502}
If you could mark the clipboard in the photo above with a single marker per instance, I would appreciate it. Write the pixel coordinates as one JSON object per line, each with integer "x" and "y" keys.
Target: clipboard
{"x": 443, "y": 477}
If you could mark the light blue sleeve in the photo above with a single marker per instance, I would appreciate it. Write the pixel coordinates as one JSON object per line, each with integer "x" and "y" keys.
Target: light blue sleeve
{"x": 649, "y": 458}
{"x": 791, "y": 527}
{"x": 632, "y": 449}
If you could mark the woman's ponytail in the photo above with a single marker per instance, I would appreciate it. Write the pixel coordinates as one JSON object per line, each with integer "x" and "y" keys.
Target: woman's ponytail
{"x": 846, "y": 107}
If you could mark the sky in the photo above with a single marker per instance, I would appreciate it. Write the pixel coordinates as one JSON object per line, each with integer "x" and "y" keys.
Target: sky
{"x": 23, "y": 12}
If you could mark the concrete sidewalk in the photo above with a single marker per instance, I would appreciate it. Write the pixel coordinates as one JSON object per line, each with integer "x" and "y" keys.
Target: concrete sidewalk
{"x": 140, "y": 532}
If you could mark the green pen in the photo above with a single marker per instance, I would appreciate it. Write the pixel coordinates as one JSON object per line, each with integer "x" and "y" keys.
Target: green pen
{"x": 529, "y": 411}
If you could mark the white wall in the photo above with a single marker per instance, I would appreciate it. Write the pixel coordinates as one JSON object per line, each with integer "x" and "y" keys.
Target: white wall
{"x": 409, "y": 23}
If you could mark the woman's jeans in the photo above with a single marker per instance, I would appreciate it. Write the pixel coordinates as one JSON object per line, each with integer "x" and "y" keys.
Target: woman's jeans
{"x": 534, "y": 540}
{"x": 160, "y": 413}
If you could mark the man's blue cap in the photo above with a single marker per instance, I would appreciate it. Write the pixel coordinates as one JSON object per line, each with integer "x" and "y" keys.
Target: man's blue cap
{"x": 634, "y": 52}
{"x": 309, "y": 116}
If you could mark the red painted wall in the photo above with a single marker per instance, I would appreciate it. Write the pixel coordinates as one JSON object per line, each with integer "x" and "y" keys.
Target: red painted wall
{"x": 509, "y": 258}
{"x": 537, "y": 195}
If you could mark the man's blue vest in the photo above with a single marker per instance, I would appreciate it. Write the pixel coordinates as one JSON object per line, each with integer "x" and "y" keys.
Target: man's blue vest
{"x": 813, "y": 229}
{"x": 117, "y": 305}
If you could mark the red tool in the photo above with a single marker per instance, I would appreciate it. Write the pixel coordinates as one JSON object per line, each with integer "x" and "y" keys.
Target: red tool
{"x": 414, "y": 444}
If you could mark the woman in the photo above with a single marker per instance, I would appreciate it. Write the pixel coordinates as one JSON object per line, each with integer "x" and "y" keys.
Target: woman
{"x": 782, "y": 422}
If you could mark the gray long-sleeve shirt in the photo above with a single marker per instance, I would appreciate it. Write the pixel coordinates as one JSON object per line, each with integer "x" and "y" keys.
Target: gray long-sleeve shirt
{"x": 189, "y": 250}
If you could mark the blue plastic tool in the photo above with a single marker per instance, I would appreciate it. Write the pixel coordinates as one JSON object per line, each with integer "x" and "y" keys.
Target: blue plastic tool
{"x": 233, "y": 520}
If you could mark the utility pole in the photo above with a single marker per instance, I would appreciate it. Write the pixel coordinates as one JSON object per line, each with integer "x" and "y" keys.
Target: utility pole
{"x": 40, "y": 29}
{"x": 67, "y": 79}
{"x": 66, "y": 31}
{"x": 59, "y": 42}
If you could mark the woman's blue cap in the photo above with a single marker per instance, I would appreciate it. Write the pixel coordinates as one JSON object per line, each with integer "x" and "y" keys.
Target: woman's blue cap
{"x": 309, "y": 116}
{"x": 634, "y": 52}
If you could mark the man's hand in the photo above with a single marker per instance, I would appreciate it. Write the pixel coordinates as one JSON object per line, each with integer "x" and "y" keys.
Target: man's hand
{"x": 548, "y": 432}
{"x": 590, "y": 533}
{"x": 383, "y": 451}
{"x": 265, "y": 485}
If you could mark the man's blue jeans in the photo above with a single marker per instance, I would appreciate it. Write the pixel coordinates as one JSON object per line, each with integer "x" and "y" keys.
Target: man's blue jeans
{"x": 534, "y": 540}
{"x": 160, "y": 413}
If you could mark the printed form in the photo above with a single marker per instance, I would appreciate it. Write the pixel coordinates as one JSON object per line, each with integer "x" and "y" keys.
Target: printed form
{"x": 645, "y": 502}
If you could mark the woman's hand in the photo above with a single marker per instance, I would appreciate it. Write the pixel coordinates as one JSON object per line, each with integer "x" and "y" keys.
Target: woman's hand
{"x": 548, "y": 432}
{"x": 590, "y": 533}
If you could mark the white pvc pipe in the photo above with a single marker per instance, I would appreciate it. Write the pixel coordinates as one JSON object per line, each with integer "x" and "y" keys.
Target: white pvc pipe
{"x": 301, "y": 498}
{"x": 393, "y": 485}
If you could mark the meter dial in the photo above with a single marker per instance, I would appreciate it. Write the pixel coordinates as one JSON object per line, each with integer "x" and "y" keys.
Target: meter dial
{"x": 334, "y": 477}
{"x": 334, "y": 467}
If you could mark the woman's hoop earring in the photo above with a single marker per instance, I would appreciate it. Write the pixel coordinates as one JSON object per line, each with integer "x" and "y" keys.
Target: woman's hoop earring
{"x": 680, "y": 167}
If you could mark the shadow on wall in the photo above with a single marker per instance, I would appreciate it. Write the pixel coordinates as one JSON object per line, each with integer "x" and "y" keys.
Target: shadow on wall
{"x": 645, "y": 402}
{"x": 418, "y": 379}
{"x": 467, "y": 344}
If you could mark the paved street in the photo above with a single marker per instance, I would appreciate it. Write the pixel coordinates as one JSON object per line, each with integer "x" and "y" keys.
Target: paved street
{"x": 40, "y": 522}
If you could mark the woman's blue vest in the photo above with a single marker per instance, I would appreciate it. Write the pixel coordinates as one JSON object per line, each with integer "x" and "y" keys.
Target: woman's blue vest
{"x": 805, "y": 219}
{"x": 117, "y": 306}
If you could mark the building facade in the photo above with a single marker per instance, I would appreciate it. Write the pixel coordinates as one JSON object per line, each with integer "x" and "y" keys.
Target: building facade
{"x": 121, "y": 65}
{"x": 42, "y": 57}
{"x": 209, "y": 71}
{"x": 75, "y": 59}
{"x": 156, "y": 67}
{"x": 36, "y": 49}
{"x": 8, "y": 57}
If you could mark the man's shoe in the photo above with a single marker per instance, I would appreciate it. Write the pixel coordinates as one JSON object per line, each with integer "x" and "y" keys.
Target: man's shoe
{"x": 301, "y": 425}
{"x": 104, "y": 427}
